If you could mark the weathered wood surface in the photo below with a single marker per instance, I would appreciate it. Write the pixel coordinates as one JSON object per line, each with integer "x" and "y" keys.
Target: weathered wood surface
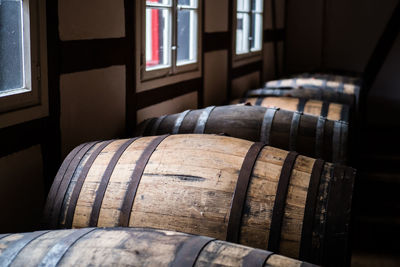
{"x": 188, "y": 185}
{"x": 131, "y": 247}
{"x": 352, "y": 78}
{"x": 315, "y": 136}
{"x": 329, "y": 85}
{"x": 306, "y": 93}
{"x": 333, "y": 111}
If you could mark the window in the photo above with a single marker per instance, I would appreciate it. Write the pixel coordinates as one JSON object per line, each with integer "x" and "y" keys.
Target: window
{"x": 171, "y": 37}
{"x": 249, "y": 26}
{"x": 22, "y": 56}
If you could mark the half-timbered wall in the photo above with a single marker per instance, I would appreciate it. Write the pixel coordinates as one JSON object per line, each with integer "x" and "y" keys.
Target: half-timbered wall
{"x": 94, "y": 95}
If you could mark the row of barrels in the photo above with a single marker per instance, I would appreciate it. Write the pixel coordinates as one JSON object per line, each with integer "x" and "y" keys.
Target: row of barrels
{"x": 221, "y": 172}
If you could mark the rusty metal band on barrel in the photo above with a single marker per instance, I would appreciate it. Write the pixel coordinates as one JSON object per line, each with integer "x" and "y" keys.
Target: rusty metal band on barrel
{"x": 336, "y": 141}
{"x": 94, "y": 215}
{"x": 202, "y": 120}
{"x": 57, "y": 252}
{"x": 267, "y": 125}
{"x": 79, "y": 183}
{"x": 157, "y": 124}
{"x": 256, "y": 258}
{"x": 57, "y": 182}
{"x": 239, "y": 195}
{"x": 148, "y": 127}
{"x": 66, "y": 180}
{"x": 345, "y": 113}
{"x": 325, "y": 109}
{"x": 190, "y": 250}
{"x": 301, "y": 105}
{"x": 280, "y": 202}
{"x": 294, "y": 129}
{"x": 319, "y": 136}
{"x": 179, "y": 121}
{"x": 259, "y": 101}
{"x": 309, "y": 210}
{"x": 135, "y": 180}
{"x": 9, "y": 254}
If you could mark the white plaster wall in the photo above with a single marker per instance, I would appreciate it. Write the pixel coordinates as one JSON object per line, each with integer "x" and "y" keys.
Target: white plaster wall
{"x": 91, "y": 19}
{"x": 175, "y": 105}
{"x": 245, "y": 83}
{"x": 215, "y": 77}
{"x": 92, "y": 106}
{"x": 21, "y": 190}
{"x": 216, "y": 16}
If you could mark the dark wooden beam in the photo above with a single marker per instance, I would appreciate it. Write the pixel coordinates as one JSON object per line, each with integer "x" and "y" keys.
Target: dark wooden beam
{"x": 84, "y": 55}
{"x": 247, "y": 69}
{"x": 271, "y": 35}
{"x": 214, "y": 41}
{"x": 158, "y": 95}
{"x": 22, "y": 136}
{"x": 130, "y": 61}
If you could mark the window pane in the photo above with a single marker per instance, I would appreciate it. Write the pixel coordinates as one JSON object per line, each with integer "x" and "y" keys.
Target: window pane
{"x": 256, "y": 32}
{"x": 257, "y": 5}
{"x": 164, "y": 2}
{"x": 11, "y": 50}
{"x": 189, "y": 3}
{"x": 243, "y": 5}
{"x": 242, "y": 33}
{"x": 158, "y": 42}
{"x": 187, "y": 36}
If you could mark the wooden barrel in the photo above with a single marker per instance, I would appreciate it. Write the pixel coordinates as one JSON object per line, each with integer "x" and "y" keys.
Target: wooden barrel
{"x": 130, "y": 247}
{"x": 352, "y": 79}
{"x": 309, "y": 135}
{"x": 328, "y": 85}
{"x": 306, "y": 93}
{"x": 332, "y": 111}
{"x": 223, "y": 187}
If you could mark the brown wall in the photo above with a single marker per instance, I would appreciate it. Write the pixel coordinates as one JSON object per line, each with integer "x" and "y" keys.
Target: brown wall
{"x": 334, "y": 34}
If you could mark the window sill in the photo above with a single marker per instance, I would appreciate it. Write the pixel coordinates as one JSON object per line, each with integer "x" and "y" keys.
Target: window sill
{"x": 245, "y": 59}
{"x": 160, "y": 82}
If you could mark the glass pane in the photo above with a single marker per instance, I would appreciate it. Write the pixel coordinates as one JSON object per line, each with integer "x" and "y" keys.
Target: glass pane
{"x": 257, "y": 5}
{"x": 187, "y": 37}
{"x": 163, "y": 2}
{"x": 158, "y": 42}
{"x": 11, "y": 50}
{"x": 189, "y": 3}
{"x": 256, "y": 32}
{"x": 243, "y": 5}
{"x": 242, "y": 33}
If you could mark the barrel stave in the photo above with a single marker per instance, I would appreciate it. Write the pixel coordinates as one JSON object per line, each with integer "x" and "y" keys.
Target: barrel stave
{"x": 135, "y": 247}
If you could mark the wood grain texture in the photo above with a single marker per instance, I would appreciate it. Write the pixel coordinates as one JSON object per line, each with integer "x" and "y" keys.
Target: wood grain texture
{"x": 130, "y": 247}
{"x": 312, "y": 107}
{"x": 333, "y": 84}
{"x": 306, "y": 93}
{"x": 188, "y": 186}
{"x": 246, "y": 122}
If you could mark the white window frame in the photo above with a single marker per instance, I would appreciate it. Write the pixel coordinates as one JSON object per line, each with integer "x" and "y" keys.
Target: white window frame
{"x": 252, "y": 56}
{"x": 31, "y": 101}
{"x": 149, "y": 79}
